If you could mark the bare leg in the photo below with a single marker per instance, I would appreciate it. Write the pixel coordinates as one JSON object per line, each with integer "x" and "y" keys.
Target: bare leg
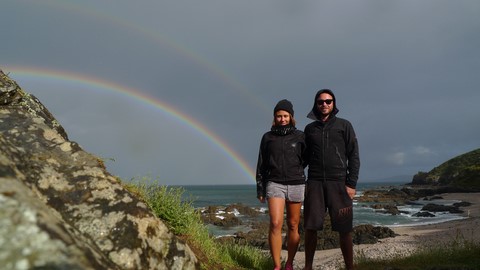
{"x": 346, "y": 245}
{"x": 276, "y": 208}
{"x": 310, "y": 247}
{"x": 293, "y": 219}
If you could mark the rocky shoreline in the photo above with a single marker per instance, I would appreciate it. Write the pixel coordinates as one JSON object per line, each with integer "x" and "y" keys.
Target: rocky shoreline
{"x": 384, "y": 200}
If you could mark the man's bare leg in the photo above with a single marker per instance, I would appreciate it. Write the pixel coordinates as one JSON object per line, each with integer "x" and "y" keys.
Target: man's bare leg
{"x": 310, "y": 247}
{"x": 346, "y": 245}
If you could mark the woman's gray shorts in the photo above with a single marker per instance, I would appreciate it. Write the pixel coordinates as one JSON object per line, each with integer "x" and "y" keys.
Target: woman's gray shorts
{"x": 292, "y": 193}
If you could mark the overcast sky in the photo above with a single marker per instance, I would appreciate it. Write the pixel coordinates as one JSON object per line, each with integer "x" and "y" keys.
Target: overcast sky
{"x": 406, "y": 73}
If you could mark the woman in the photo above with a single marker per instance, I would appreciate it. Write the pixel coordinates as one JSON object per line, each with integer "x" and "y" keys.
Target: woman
{"x": 281, "y": 180}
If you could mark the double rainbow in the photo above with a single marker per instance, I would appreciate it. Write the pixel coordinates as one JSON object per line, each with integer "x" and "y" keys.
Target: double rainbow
{"x": 19, "y": 73}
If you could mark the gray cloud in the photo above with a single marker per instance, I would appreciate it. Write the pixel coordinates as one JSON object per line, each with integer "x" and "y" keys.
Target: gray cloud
{"x": 405, "y": 74}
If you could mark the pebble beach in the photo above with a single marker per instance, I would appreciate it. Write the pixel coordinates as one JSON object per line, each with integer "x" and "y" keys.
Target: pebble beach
{"x": 409, "y": 239}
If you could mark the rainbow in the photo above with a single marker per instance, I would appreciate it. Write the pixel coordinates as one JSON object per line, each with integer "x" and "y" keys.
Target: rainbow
{"x": 18, "y": 72}
{"x": 121, "y": 22}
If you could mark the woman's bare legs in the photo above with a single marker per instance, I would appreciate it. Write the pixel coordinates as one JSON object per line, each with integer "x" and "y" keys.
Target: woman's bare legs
{"x": 276, "y": 208}
{"x": 293, "y": 220}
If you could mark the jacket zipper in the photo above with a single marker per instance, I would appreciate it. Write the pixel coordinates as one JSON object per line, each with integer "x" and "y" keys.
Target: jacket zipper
{"x": 283, "y": 157}
{"x": 325, "y": 141}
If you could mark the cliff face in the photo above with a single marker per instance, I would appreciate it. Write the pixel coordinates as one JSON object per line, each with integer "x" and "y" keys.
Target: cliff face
{"x": 461, "y": 172}
{"x": 61, "y": 209}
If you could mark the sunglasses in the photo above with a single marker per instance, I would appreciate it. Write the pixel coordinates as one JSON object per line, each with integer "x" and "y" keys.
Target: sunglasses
{"x": 327, "y": 101}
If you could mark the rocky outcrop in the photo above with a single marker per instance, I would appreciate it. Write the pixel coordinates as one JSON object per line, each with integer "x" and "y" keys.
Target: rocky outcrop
{"x": 393, "y": 195}
{"x": 213, "y": 215}
{"x": 61, "y": 209}
{"x": 387, "y": 209}
{"x": 404, "y": 194}
{"x": 369, "y": 234}
{"x": 423, "y": 214}
{"x": 227, "y": 216}
{"x": 431, "y": 207}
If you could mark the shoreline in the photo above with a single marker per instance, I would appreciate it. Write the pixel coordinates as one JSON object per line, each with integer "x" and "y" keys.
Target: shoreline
{"x": 409, "y": 239}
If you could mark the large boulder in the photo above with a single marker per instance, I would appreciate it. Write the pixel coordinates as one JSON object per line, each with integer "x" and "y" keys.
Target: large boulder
{"x": 61, "y": 209}
{"x": 369, "y": 234}
{"x": 431, "y": 207}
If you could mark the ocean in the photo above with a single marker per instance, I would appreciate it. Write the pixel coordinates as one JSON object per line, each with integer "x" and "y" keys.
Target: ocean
{"x": 223, "y": 195}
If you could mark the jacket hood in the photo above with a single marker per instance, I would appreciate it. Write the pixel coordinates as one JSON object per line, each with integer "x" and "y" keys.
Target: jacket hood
{"x": 314, "y": 114}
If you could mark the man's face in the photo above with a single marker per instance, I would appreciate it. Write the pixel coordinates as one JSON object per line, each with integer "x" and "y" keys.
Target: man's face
{"x": 325, "y": 104}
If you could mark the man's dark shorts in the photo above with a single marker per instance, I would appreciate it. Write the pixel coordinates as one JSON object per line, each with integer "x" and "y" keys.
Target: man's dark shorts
{"x": 331, "y": 195}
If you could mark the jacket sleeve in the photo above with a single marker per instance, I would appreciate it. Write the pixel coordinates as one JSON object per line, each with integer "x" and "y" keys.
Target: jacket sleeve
{"x": 306, "y": 150}
{"x": 353, "y": 157}
{"x": 261, "y": 170}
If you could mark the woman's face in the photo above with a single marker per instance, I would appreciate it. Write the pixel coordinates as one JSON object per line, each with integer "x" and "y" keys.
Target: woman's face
{"x": 282, "y": 118}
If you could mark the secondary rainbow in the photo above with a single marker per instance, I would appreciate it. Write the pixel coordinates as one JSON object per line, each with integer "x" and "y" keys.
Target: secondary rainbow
{"x": 164, "y": 40}
{"x": 18, "y": 71}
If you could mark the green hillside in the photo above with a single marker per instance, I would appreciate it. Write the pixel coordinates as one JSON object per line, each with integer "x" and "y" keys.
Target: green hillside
{"x": 462, "y": 171}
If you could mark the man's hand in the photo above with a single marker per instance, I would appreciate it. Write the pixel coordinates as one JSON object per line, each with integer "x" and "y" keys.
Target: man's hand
{"x": 351, "y": 192}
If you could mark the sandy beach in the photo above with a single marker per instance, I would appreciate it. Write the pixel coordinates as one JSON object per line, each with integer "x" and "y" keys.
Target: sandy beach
{"x": 409, "y": 239}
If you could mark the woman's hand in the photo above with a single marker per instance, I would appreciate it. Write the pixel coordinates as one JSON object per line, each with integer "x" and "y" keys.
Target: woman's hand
{"x": 261, "y": 199}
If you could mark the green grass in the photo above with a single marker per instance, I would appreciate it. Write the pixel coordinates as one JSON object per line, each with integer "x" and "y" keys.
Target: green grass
{"x": 184, "y": 221}
{"x": 457, "y": 254}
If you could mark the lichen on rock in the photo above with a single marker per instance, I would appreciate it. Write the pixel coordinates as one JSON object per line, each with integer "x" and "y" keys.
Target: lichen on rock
{"x": 59, "y": 206}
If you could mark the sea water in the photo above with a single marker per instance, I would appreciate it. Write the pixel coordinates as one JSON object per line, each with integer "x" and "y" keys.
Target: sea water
{"x": 223, "y": 195}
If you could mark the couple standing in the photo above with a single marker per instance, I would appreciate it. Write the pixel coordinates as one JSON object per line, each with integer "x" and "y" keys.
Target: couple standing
{"x": 329, "y": 148}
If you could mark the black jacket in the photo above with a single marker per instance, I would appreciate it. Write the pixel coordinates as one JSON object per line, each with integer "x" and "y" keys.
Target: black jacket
{"x": 280, "y": 160}
{"x": 332, "y": 151}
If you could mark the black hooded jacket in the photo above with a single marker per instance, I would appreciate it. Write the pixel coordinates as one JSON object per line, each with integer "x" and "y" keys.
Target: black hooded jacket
{"x": 280, "y": 159}
{"x": 332, "y": 148}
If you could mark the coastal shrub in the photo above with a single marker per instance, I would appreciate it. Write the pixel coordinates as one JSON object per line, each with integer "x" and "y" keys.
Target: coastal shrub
{"x": 249, "y": 257}
{"x": 184, "y": 221}
{"x": 167, "y": 204}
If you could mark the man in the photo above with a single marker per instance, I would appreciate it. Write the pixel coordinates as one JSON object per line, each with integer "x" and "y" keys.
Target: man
{"x": 333, "y": 166}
